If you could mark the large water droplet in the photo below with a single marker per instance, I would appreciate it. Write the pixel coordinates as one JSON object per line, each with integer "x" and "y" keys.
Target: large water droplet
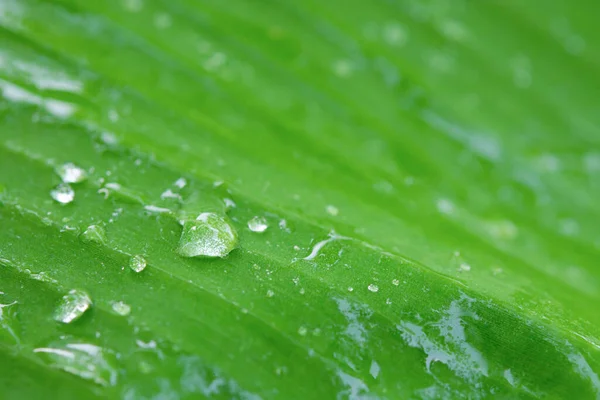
{"x": 373, "y": 288}
{"x": 71, "y": 173}
{"x": 121, "y": 308}
{"x": 210, "y": 235}
{"x": 63, "y": 193}
{"x": 84, "y": 360}
{"x": 137, "y": 263}
{"x": 258, "y": 224}
{"x": 94, "y": 233}
{"x": 72, "y": 306}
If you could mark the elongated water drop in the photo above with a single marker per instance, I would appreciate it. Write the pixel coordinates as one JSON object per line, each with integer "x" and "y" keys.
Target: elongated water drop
{"x": 137, "y": 263}
{"x": 210, "y": 235}
{"x": 258, "y": 224}
{"x": 63, "y": 193}
{"x": 121, "y": 308}
{"x": 71, "y": 173}
{"x": 72, "y": 306}
{"x": 84, "y": 360}
{"x": 94, "y": 233}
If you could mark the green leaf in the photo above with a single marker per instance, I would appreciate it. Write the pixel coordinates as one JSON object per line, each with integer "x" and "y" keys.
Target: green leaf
{"x": 402, "y": 199}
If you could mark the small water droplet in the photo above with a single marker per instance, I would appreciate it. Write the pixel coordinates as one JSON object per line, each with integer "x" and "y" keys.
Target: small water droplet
{"x": 210, "y": 235}
{"x": 302, "y": 291}
{"x": 445, "y": 206}
{"x": 373, "y": 288}
{"x": 374, "y": 370}
{"x": 137, "y": 263}
{"x": 229, "y": 204}
{"x": 63, "y": 193}
{"x": 302, "y": 331}
{"x": 72, "y": 306}
{"x": 84, "y": 360}
{"x": 258, "y": 224}
{"x": 121, "y": 308}
{"x": 395, "y": 282}
{"x": 388, "y": 301}
{"x": 464, "y": 267}
{"x": 270, "y": 293}
{"x": 94, "y": 233}
{"x": 350, "y": 289}
{"x": 332, "y": 210}
{"x": 71, "y": 173}
{"x": 180, "y": 183}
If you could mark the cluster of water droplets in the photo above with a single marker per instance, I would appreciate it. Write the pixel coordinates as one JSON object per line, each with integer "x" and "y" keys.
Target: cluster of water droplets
{"x": 69, "y": 173}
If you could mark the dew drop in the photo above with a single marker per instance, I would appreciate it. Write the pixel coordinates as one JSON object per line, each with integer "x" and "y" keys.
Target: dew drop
{"x": 332, "y": 210}
{"x": 180, "y": 183}
{"x": 63, "y": 193}
{"x": 72, "y": 306}
{"x": 302, "y": 331}
{"x": 137, "y": 263}
{"x": 210, "y": 235}
{"x": 270, "y": 293}
{"x": 121, "y": 308}
{"x": 373, "y": 288}
{"x": 94, "y": 233}
{"x": 374, "y": 370}
{"x": 395, "y": 282}
{"x": 258, "y": 224}
{"x": 350, "y": 289}
{"x": 464, "y": 267}
{"x": 84, "y": 360}
{"x": 229, "y": 204}
{"x": 71, "y": 173}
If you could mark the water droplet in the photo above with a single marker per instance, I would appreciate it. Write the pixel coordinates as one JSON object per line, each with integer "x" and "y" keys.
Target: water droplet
{"x": 210, "y": 235}
{"x": 332, "y": 210}
{"x": 94, "y": 233}
{"x": 137, "y": 263}
{"x": 445, "y": 206}
{"x": 394, "y": 34}
{"x": 350, "y": 289}
{"x": 162, "y": 21}
{"x": 388, "y": 301}
{"x": 72, "y": 306}
{"x": 343, "y": 68}
{"x": 464, "y": 267}
{"x": 373, "y": 288}
{"x": 302, "y": 331}
{"x": 258, "y": 224}
{"x": 155, "y": 209}
{"x": 63, "y": 193}
{"x": 121, "y": 308}
{"x": 84, "y": 360}
{"x": 180, "y": 183}
{"x": 374, "y": 370}
{"x": 395, "y": 282}
{"x": 229, "y": 204}
{"x": 71, "y": 173}
{"x": 270, "y": 293}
